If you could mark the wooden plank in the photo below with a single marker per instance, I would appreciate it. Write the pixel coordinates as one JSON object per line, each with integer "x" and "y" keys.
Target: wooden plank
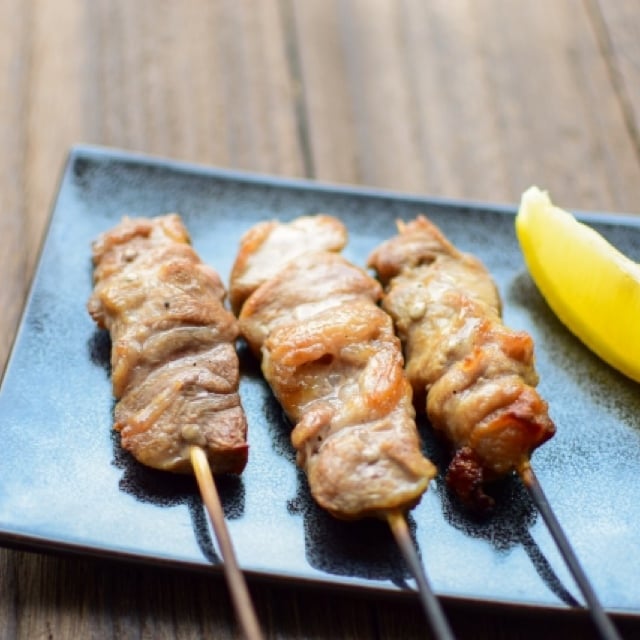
{"x": 55, "y": 111}
{"x": 543, "y": 86}
{"x": 465, "y": 99}
{"x": 205, "y": 82}
{"x": 13, "y": 240}
{"x": 561, "y": 123}
{"x": 327, "y": 114}
{"x": 360, "y": 74}
{"x": 618, "y": 30}
{"x": 455, "y": 121}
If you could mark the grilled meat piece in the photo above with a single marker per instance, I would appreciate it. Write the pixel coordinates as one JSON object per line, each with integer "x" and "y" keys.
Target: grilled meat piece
{"x": 332, "y": 360}
{"x": 175, "y": 371}
{"x": 267, "y": 246}
{"x": 474, "y": 376}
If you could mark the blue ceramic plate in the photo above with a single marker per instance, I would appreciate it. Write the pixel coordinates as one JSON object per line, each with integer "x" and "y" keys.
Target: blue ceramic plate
{"x": 65, "y": 485}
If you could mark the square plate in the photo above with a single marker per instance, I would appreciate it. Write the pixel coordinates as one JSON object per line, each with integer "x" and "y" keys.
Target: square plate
{"x": 65, "y": 485}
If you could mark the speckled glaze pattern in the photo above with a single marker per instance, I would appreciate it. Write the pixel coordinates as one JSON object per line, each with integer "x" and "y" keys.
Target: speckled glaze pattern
{"x": 65, "y": 484}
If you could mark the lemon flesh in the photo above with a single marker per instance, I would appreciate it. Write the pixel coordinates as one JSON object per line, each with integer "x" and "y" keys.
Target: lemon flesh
{"x": 592, "y": 287}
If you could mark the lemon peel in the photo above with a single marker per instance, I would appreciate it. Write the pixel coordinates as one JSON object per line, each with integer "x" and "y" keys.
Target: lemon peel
{"x": 593, "y": 288}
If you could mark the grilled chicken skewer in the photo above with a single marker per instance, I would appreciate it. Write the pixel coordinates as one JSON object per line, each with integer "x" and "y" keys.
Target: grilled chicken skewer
{"x": 474, "y": 377}
{"x": 333, "y": 361}
{"x": 174, "y": 368}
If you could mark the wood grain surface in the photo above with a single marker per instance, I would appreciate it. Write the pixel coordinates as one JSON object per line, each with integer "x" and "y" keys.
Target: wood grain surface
{"x": 457, "y": 98}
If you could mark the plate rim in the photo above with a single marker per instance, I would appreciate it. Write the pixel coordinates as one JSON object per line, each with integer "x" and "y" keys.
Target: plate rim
{"x": 94, "y": 152}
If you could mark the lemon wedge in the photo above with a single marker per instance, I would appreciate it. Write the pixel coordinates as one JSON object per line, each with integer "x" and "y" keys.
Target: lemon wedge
{"x": 591, "y": 286}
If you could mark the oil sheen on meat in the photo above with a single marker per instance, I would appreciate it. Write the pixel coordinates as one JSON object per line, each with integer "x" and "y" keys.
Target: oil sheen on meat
{"x": 175, "y": 370}
{"x": 474, "y": 376}
{"x": 334, "y": 363}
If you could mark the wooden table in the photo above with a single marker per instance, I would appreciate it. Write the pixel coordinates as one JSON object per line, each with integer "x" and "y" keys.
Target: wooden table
{"x": 455, "y": 98}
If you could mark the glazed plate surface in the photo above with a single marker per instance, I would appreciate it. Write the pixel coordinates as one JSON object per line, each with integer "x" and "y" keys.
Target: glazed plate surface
{"x": 65, "y": 485}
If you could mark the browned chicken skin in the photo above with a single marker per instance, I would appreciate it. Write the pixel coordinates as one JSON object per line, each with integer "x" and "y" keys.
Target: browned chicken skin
{"x": 175, "y": 370}
{"x": 474, "y": 376}
{"x": 334, "y": 363}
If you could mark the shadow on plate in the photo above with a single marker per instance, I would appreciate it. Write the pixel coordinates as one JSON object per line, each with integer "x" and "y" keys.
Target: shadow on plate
{"x": 364, "y": 548}
{"x": 505, "y": 526}
{"x": 361, "y": 548}
{"x": 166, "y": 489}
{"x": 367, "y": 549}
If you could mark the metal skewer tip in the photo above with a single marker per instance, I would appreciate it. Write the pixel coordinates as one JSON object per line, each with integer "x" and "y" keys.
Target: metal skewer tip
{"x": 235, "y": 579}
{"x": 602, "y": 621}
{"x": 431, "y": 605}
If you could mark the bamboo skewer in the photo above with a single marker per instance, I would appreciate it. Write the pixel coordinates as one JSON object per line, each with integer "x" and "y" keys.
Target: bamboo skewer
{"x": 600, "y": 618}
{"x": 404, "y": 256}
{"x": 431, "y": 605}
{"x": 158, "y": 251}
{"x": 235, "y": 579}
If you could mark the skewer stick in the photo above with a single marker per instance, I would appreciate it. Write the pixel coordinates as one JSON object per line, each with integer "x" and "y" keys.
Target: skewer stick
{"x": 431, "y": 605}
{"x": 235, "y": 579}
{"x": 603, "y": 622}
